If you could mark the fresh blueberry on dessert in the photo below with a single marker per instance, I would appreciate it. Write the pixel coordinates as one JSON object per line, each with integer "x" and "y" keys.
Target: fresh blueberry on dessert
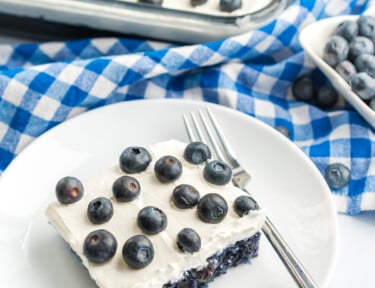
{"x": 197, "y": 153}
{"x": 244, "y": 204}
{"x": 134, "y": 159}
{"x": 363, "y": 85}
{"x": 212, "y": 208}
{"x": 337, "y": 175}
{"x": 126, "y": 188}
{"x": 336, "y": 50}
{"x": 138, "y": 251}
{"x": 347, "y": 29}
{"x": 188, "y": 240}
{"x": 99, "y": 246}
{"x": 217, "y": 172}
{"x": 69, "y": 190}
{"x": 195, "y": 3}
{"x": 152, "y": 220}
{"x": 100, "y": 210}
{"x": 154, "y": 2}
{"x": 230, "y": 5}
{"x": 167, "y": 169}
{"x": 185, "y": 196}
{"x": 303, "y": 88}
{"x": 360, "y": 45}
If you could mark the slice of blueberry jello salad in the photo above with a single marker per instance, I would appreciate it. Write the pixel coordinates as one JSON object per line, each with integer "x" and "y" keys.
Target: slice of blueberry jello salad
{"x": 165, "y": 216}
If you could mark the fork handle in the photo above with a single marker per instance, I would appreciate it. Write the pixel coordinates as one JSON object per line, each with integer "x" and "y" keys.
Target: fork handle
{"x": 297, "y": 271}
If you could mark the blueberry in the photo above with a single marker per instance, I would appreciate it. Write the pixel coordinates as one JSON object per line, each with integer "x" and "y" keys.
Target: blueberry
{"x": 303, "y": 88}
{"x": 154, "y": 2}
{"x": 326, "y": 97}
{"x": 126, "y": 189}
{"x": 69, "y": 190}
{"x": 283, "y": 130}
{"x": 195, "y": 3}
{"x": 363, "y": 85}
{"x": 185, "y": 196}
{"x": 360, "y": 45}
{"x": 347, "y": 29}
{"x": 336, "y": 50}
{"x": 100, "y": 210}
{"x": 230, "y": 5}
{"x": 337, "y": 175}
{"x": 152, "y": 220}
{"x": 365, "y": 63}
{"x": 99, "y": 246}
{"x": 346, "y": 70}
{"x": 243, "y": 204}
{"x": 167, "y": 169}
{"x": 212, "y": 208}
{"x": 188, "y": 240}
{"x": 138, "y": 251}
{"x": 366, "y": 26}
{"x": 134, "y": 159}
{"x": 217, "y": 172}
{"x": 197, "y": 153}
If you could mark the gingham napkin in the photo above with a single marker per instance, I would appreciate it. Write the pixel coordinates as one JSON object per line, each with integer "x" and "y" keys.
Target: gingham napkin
{"x": 42, "y": 85}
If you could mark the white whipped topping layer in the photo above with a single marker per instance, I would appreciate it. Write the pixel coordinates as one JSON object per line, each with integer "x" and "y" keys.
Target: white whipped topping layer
{"x": 211, "y": 7}
{"x": 169, "y": 262}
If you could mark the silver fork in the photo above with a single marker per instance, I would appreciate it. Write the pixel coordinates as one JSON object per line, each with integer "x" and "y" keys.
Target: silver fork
{"x": 207, "y": 130}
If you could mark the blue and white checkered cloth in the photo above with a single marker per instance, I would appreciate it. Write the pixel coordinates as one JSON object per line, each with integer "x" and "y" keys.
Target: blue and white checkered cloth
{"x": 42, "y": 85}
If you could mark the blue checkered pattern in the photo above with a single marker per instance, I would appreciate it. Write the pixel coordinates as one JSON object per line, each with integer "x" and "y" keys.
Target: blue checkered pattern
{"x": 42, "y": 85}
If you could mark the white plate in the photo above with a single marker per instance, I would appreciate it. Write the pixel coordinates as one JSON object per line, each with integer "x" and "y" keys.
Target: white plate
{"x": 323, "y": 30}
{"x": 284, "y": 181}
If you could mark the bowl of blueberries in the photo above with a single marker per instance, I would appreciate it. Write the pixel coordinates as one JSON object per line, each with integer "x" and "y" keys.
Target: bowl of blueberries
{"x": 343, "y": 48}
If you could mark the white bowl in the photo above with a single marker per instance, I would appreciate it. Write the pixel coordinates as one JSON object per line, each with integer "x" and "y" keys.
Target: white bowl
{"x": 313, "y": 38}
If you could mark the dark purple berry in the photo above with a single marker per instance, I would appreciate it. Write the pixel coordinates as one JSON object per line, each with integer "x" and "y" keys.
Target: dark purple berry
{"x": 303, "y": 88}
{"x": 154, "y": 2}
{"x": 138, "y": 252}
{"x": 168, "y": 169}
{"x": 100, "y": 210}
{"x": 347, "y": 29}
{"x": 244, "y": 204}
{"x": 217, "y": 172}
{"x": 197, "y": 153}
{"x": 152, "y": 220}
{"x": 337, "y": 175}
{"x": 126, "y": 189}
{"x": 230, "y": 5}
{"x": 134, "y": 160}
{"x": 195, "y": 3}
{"x": 366, "y": 63}
{"x": 346, "y": 70}
{"x": 99, "y": 246}
{"x": 363, "y": 85}
{"x": 69, "y": 190}
{"x": 212, "y": 208}
{"x": 188, "y": 240}
{"x": 366, "y": 26}
{"x": 185, "y": 196}
{"x": 336, "y": 50}
{"x": 326, "y": 97}
{"x": 360, "y": 45}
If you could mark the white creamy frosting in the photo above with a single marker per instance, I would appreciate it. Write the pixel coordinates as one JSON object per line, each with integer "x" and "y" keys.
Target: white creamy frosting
{"x": 211, "y": 7}
{"x": 168, "y": 264}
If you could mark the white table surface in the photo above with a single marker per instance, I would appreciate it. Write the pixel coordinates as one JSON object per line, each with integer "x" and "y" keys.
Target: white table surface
{"x": 356, "y": 263}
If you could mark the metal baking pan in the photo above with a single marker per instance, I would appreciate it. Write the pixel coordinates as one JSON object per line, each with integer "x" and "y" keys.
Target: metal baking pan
{"x": 167, "y": 22}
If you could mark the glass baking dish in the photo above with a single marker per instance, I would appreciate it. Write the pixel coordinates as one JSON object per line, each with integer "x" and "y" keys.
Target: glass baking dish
{"x": 173, "y": 22}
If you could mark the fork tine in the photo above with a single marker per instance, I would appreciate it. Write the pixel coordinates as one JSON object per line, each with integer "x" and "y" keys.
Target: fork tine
{"x": 222, "y": 139}
{"x": 189, "y": 129}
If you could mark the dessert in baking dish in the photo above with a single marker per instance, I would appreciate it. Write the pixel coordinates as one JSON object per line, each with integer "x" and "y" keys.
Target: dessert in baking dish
{"x": 165, "y": 216}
